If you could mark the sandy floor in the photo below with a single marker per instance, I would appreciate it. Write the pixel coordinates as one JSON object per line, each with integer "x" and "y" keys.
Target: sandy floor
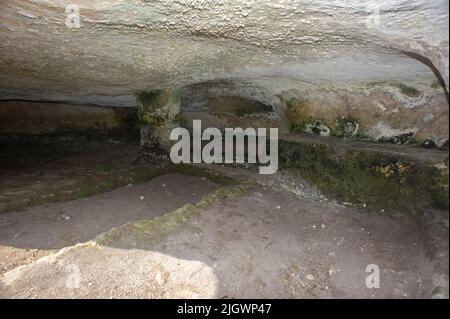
{"x": 253, "y": 240}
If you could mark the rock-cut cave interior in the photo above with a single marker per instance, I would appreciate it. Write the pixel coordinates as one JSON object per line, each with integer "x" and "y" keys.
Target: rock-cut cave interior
{"x": 92, "y": 204}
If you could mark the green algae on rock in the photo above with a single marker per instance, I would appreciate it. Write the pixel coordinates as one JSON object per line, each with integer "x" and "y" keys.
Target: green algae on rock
{"x": 158, "y": 114}
{"x": 368, "y": 179}
{"x": 149, "y": 231}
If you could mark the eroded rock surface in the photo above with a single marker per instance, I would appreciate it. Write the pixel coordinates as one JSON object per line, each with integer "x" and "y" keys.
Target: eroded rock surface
{"x": 335, "y": 49}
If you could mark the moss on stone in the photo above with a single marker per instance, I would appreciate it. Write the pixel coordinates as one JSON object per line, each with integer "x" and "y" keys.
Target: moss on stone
{"x": 301, "y": 118}
{"x": 108, "y": 168}
{"x": 298, "y": 114}
{"x": 408, "y": 90}
{"x": 151, "y": 106}
{"x": 158, "y": 115}
{"x": 435, "y": 84}
{"x": 345, "y": 127}
{"x": 440, "y": 190}
{"x": 363, "y": 134}
{"x": 317, "y": 127}
{"x": 406, "y": 138}
{"x": 86, "y": 186}
{"x": 150, "y": 231}
{"x": 147, "y": 230}
{"x": 366, "y": 179}
{"x": 152, "y": 99}
{"x": 106, "y": 180}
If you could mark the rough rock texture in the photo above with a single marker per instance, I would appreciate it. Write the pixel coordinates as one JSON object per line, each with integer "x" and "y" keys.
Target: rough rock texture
{"x": 158, "y": 115}
{"x": 124, "y": 47}
{"x": 224, "y": 104}
{"x": 391, "y": 113}
{"x": 370, "y": 177}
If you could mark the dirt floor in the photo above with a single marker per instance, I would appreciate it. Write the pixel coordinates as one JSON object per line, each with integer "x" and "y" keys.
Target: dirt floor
{"x": 177, "y": 235}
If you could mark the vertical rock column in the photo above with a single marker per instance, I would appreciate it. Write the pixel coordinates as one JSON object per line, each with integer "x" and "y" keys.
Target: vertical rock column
{"x": 158, "y": 115}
